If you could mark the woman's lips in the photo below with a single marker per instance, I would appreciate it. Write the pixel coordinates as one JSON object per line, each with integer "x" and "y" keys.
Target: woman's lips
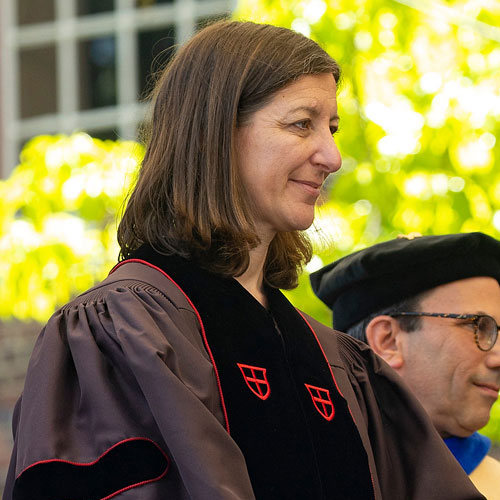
{"x": 310, "y": 187}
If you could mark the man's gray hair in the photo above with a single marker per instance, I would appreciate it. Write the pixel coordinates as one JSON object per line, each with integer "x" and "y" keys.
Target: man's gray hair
{"x": 407, "y": 323}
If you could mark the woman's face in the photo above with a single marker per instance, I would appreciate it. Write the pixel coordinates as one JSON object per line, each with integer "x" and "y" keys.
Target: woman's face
{"x": 286, "y": 150}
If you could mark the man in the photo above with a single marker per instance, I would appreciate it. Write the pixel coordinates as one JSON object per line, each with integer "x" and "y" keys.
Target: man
{"x": 430, "y": 307}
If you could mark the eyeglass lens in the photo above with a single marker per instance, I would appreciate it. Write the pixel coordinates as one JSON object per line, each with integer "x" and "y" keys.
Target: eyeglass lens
{"x": 486, "y": 332}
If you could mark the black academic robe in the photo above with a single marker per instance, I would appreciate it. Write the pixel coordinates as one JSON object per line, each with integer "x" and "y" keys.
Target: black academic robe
{"x": 123, "y": 400}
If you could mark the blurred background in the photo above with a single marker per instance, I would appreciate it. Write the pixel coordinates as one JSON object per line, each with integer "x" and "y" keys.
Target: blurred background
{"x": 420, "y": 120}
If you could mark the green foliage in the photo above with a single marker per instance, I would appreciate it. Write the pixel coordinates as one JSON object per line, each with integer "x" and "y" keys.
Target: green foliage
{"x": 58, "y": 214}
{"x": 419, "y": 104}
{"x": 420, "y": 112}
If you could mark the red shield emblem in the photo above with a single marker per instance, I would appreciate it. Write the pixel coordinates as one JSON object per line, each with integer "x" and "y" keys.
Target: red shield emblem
{"x": 256, "y": 380}
{"x": 322, "y": 401}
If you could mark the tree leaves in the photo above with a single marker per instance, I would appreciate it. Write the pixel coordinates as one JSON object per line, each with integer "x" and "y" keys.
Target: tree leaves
{"x": 420, "y": 117}
{"x": 58, "y": 214}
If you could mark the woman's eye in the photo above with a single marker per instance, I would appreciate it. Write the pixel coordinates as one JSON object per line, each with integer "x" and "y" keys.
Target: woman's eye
{"x": 302, "y": 124}
{"x": 334, "y": 130}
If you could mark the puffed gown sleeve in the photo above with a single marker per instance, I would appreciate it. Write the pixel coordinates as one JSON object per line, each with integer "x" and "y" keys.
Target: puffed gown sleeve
{"x": 411, "y": 460}
{"x": 121, "y": 401}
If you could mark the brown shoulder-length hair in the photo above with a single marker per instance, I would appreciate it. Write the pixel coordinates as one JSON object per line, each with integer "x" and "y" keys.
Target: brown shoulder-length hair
{"x": 188, "y": 199}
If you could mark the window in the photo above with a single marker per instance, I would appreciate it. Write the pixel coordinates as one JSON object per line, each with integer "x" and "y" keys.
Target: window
{"x": 155, "y": 47}
{"x": 97, "y": 72}
{"x": 37, "y": 74}
{"x": 86, "y": 64}
{"x": 35, "y": 11}
{"x": 148, "y": 3}
{"x": 86, "y": 7}
{"x": 104, "y": 134}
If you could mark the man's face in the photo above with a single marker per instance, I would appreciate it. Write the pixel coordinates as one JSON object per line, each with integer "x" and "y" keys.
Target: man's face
{"x": 455, "y": 381}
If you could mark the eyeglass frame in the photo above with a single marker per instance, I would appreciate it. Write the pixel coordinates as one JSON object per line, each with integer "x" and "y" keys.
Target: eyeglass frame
{"x": 474, "y": 318}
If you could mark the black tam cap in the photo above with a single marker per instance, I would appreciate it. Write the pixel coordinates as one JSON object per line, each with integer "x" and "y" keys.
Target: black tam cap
{"x": 375, "y": 278}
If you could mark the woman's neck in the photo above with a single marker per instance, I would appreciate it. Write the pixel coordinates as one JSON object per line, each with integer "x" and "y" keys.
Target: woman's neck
{"x": 253, "y": 278}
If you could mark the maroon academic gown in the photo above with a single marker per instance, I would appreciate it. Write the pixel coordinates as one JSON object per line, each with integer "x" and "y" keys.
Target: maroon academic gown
{"x": 124, "y": 399}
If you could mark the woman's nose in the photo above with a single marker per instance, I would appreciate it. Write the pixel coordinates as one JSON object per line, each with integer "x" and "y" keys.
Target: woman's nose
{"x": 328, "y": 155}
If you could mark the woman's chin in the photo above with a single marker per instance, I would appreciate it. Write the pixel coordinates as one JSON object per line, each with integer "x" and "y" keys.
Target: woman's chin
{"x": 301, "y": 223}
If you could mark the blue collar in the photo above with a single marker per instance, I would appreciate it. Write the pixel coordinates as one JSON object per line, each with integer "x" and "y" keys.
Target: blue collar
{"x": 469, "y": 451}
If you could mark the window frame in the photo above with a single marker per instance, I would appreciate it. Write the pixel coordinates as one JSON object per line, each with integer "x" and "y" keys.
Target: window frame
{"x": 66, "y": 31}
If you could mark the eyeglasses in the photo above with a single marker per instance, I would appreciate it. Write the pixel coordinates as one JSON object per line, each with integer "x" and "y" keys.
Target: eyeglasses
{"x": 485, "y": 327}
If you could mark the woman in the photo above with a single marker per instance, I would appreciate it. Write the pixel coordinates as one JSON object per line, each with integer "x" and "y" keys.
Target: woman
{"x": 186, "y": 373}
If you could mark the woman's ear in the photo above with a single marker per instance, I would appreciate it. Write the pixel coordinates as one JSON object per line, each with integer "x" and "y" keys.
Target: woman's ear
{"x": 383, "y": 336}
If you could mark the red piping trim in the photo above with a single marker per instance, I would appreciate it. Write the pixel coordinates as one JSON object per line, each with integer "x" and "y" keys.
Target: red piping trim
{"x": 324, "y": 355}
{"x": 331, "y": 371}
{"x": 204, "y": 335}
{"x": 89, "y": 464}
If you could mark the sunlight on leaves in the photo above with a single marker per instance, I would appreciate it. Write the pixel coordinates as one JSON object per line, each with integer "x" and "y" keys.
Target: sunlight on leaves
{"x": 420, "y": 113}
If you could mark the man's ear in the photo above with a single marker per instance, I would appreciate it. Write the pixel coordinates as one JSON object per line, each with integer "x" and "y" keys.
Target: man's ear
{"x": 383, "y": 336}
